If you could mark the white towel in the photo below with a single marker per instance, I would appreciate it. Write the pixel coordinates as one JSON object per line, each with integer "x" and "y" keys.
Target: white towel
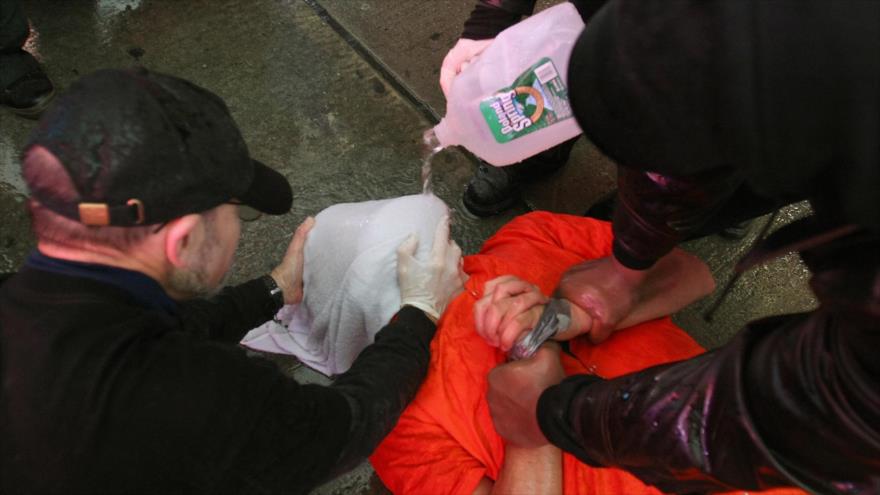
{"x": 349, "y": 280}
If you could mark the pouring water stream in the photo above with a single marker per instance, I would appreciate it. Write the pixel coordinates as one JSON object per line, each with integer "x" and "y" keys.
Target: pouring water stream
{"x": 431, "y": 146}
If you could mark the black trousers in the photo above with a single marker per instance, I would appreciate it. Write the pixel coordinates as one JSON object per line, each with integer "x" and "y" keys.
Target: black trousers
{"x": 14, "y": 31}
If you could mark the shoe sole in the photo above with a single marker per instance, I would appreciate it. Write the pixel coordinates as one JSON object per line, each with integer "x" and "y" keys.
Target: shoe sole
{"x": 465, "y": 212}
{"x": 488, "y": 211}
{"x": 34, "y": 111}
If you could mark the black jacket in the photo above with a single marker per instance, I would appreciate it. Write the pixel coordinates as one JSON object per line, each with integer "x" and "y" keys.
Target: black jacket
{"x": 101, "y": 394}
{"x": 718, "y": 111}
{"x": 490, "y": 17}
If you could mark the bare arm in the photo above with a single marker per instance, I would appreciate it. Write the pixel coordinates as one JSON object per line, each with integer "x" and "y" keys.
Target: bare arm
{"x": 605, "y": 297}
{"x": 675, "y": 281}
{"x": 526, "y": 470}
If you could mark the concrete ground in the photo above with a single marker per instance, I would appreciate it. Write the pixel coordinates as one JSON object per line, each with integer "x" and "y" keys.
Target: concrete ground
{"x": 335, "y": 94}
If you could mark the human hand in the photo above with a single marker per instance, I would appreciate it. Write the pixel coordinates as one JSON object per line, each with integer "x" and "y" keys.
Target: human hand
{"x": 509, "y": 307}
{"x": 457, "y": 59}
{"x": 430, "y": 286}
{"x": 606, "y": 290}
{"x": 513, "y": 393}
{"x": 288, "y": 275}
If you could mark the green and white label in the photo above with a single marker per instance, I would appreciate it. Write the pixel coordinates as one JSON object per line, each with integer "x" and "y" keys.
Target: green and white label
{"x": 536, "y": 99}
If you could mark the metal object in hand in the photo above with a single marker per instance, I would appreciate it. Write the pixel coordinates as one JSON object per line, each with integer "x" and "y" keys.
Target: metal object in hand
{"x": 555, "y": 318}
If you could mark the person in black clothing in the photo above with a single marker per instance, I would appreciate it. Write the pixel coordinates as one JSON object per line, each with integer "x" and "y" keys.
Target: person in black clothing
{"x": 717, "y": 111}
{"x": 493, "y": 190}
{"x": 116, "y": 378}
{"x": 24, "y": 87}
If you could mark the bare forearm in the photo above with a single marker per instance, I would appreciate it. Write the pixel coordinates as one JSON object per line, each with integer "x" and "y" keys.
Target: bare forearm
{"x": 672, "y": 283}
{"x": 676, "y": 280}
{"x": 525, "y": 470}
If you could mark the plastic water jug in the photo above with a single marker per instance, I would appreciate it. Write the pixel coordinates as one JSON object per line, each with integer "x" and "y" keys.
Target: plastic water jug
{"x": 512, "y": 101}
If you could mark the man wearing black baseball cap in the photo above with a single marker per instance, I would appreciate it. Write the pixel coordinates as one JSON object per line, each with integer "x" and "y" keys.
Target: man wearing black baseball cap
{"x": 116, "y": 377}
{"x": 718, "y": 111}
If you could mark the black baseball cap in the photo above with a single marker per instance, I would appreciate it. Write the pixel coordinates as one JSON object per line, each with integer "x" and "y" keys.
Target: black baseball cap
{"x": 144, "y": 148}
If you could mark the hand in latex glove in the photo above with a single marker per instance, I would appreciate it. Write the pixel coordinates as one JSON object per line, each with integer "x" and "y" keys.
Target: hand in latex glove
{"x": 509, "y": 307}
{"x": 606, "y": 290}
{"x": 514, "y": 389}
{"x": 430, "y": 286}
{"x": 288, "y": 275}
{"x": 458, "y": 58}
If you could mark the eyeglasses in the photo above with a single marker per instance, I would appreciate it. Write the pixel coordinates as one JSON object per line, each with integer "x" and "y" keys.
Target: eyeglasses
{"x": 245, "y": 213}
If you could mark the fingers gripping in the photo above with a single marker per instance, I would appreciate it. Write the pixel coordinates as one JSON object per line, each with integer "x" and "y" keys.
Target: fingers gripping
{"x": 302, "y": 232}
{"x": 430, "y": 284}
{"x": 514, "y": 288}
{"x": 407, "y": 248}
{"x": 489, "y": 287}
{"x": 457, "y": 59}
{"x": 441, "y": 241}
{"x": 519, "y": 318}
{"x": 504, "y": 311}
{"x": 406, "y": 255}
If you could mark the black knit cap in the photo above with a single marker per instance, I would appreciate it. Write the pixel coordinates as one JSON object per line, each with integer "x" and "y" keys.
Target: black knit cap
{"x": 783, "y": 93}
{"x": 143, "y": 148}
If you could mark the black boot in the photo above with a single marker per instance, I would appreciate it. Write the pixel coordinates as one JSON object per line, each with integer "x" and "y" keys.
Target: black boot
{"x": 493, "y": 190}
{"x": 603, "y": 208}
{"x": 28, "y": 95}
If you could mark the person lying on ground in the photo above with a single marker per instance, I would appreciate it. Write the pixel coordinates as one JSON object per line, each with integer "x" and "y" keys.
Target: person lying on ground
{"x": 446, "y": 442}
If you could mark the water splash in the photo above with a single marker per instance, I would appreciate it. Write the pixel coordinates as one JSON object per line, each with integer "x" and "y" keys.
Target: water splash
{"x": 431, "y": 146}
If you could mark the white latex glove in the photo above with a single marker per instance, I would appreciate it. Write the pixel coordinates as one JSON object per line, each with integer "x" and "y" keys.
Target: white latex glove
{"x": 430, "y": 286}
{"x": 458, "y": 58}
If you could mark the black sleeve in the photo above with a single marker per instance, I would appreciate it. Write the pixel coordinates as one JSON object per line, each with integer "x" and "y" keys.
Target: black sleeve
{"x": 229, "y": 315}
{"x": 487, "y": 20}
{"x": 656, "y": 212}
{"x": 490, "y": 17}
{"x": 383, "y": 380}
{"x": 308, "y": 434}
{"x": 586, "y": 8}
{"x": 788, "y": 402}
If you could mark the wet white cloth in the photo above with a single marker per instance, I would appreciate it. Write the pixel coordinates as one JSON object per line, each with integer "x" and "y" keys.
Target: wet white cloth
{"x": 349, "y": 280}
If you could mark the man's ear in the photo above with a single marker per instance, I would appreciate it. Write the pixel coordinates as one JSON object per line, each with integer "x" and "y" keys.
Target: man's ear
{"x": 182, "y": 236}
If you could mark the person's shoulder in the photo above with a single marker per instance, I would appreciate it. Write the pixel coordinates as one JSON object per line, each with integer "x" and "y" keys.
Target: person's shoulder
{"x": 182, "y": 382}
{"x": 167, "y": 346}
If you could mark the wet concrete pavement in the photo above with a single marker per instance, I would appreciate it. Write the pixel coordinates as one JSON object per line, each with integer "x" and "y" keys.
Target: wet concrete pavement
{"x": 335, "y": 94}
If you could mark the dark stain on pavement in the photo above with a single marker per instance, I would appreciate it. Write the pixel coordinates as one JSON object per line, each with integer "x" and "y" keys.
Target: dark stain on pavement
{"x": 136, "y": 52}
{"x": 379, "y": 87}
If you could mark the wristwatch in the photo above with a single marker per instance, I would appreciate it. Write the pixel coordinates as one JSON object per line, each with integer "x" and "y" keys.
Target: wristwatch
{"x": 275, "y": 292}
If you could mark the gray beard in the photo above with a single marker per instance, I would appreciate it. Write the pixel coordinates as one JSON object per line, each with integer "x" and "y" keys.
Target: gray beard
{"x": 194, "y": 283}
